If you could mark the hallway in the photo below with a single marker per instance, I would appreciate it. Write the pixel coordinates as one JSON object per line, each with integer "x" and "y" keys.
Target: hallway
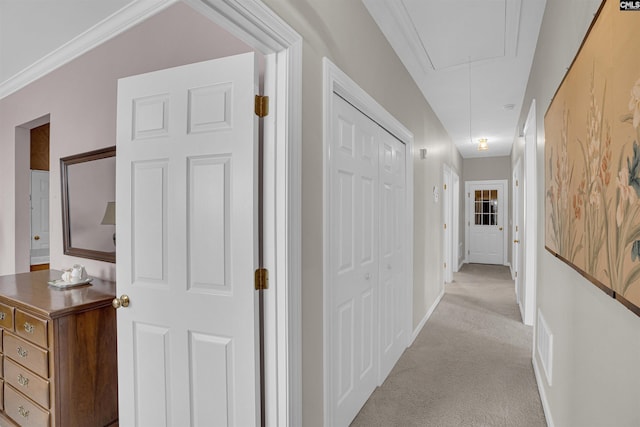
{"x": 470, "y": 365}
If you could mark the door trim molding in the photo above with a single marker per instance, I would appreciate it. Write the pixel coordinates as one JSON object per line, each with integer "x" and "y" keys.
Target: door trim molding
{"x": 530, "y": 214}
{"x": 447, "y": 216}
{"x": 258, "y": 26}
{"x": 336, "y": 81}
{"x": 506, "y": 215}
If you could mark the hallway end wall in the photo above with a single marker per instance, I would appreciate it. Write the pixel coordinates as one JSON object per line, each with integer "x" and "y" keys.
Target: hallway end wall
{"x": 488, "y": 169}
{"x": 596, "y": 345}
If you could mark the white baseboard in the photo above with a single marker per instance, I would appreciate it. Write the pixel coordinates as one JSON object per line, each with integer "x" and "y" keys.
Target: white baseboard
{"x": 543, "y": 395}
{"x": 426, "y": 317}
{"x": 462, "y": 262}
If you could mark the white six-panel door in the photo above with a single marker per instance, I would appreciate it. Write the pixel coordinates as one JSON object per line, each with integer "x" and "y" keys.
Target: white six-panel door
{"x": 368, "y": 289}
{"x": 187, "y": 246}
{"x": 393, "y": 297}
{"x": 354, "y": 259}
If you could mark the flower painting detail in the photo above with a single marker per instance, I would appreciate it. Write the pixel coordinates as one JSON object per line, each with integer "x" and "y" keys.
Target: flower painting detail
{"x": 592, "y": 159}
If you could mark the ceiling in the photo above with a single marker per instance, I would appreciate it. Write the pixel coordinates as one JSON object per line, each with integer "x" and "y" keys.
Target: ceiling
{"x": 471, "y": 60}
{"x": 31, "y": 29}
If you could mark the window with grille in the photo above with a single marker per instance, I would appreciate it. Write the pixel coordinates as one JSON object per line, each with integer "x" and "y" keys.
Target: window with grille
{"x": 486, "y": 207}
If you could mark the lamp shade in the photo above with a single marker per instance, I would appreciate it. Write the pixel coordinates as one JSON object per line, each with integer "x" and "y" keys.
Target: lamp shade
{"x": 109, "y": 214}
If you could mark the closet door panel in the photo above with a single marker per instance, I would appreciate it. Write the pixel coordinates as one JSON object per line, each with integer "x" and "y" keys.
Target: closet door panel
{"x": 353, "y": 260}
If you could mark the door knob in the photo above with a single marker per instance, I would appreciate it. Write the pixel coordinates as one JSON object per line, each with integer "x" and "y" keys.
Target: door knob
{"x": 500, "y": 228}
{"x": 36, "y": 237}
{"x": 516, "y": 241}
{"x": 123, "y": 301}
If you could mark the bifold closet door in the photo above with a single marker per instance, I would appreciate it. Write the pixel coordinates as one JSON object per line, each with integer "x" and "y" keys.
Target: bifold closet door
{"x": 354, "y": 260}
{"x": 368, "y": 295}
{"x": 393, "y": 289}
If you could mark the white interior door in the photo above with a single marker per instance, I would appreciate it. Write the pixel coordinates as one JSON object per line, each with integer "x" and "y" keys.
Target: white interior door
{"x": 486, "y": 222}
{"x": 354, "y": 224}
{"x": 187, "y": 245}
{"x": 393, "y": 297}
{"x": 516, "y": 248}
{"x": 455, "y": 223}
{"x": 368, "y": 296}
{"x": 39, "y": 209}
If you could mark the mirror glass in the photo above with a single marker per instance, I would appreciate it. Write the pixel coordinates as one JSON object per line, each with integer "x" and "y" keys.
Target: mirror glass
{"x": 88, "y": 204}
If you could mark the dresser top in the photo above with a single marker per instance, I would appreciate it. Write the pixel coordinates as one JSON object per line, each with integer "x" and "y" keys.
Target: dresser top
{"x": 31, "y": 291}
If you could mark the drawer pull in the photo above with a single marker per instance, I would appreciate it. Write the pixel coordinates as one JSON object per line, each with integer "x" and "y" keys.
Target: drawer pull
{"x": 22, "y": 352}
{"x": 23, "y": 412}
{"x": 29, "y": 328}
{"x": 3, "y": 315}
{"x": 24, "y": 381}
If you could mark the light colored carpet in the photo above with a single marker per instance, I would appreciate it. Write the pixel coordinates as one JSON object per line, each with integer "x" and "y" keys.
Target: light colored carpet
{"x": 470, "y": 365}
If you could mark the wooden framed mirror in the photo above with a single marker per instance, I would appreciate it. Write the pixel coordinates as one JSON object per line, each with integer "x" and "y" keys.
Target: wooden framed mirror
{"x": 88, "y": 204}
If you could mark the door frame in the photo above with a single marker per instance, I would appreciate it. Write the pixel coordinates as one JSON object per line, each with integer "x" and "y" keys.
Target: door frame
{"x": 505, "y": 219}
{"x": 516, "y": 230}
{"x": 455, "y": 226}
{"x": 447, "y": 214}
{"x": 530, "y": 215}
{"x": 258, "y": 26}
{"x": 336, "y": 81}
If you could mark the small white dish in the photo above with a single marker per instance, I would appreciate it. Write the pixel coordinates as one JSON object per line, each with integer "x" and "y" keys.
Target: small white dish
{"x": 59, "y": 283}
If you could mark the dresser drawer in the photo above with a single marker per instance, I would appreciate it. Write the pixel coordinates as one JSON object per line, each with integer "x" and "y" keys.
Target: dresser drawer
{"x": 22, "y": 410}
{"x": 31, "y": 328}
{"x": 6, "y": 317}
{"x": 28, "y": 383}
{"x": 27, "y": 354}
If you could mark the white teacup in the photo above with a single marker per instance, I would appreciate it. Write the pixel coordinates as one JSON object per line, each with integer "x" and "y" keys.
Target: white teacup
{"x": 78, "y": 273}
{"x": 66, "y": 275}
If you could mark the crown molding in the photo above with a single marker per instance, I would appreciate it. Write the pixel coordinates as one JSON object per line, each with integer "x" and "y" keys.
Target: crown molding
{"x": 115, "y": 24}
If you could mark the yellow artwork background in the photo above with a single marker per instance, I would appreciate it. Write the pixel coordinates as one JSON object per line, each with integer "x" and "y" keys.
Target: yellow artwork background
{"x": 592, "y": 171}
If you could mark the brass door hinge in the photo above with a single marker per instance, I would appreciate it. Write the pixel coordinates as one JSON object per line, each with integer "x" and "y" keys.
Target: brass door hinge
{"x": 445, "y": 186}
{"x": 262, "y": 106}
{"x": 445, "y": 226}
{"x": 262, "y": 279}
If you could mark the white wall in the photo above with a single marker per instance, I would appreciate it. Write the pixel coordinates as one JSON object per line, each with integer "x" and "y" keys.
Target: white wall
{"x": 596, "y": 373}
{"x": 487, "y": 168}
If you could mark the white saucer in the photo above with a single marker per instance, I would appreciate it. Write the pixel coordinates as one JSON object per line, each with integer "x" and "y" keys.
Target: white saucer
{"x": 59, "y": 283}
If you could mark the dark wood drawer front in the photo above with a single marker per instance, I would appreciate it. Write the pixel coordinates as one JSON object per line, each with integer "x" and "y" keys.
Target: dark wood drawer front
{"x": 6, "y": 317}
{"x": 22, "y": 410}
{"x": 31, "y": 328}
{"x": 26, "y": 354}
{"x": 28, "y": 383}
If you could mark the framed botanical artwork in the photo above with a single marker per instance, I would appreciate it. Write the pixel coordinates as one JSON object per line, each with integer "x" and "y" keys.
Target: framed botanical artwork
{"x": 592, "y": 158}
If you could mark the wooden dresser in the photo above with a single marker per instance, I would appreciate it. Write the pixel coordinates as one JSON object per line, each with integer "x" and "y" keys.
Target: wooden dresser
{"x": 58, "y": 353}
